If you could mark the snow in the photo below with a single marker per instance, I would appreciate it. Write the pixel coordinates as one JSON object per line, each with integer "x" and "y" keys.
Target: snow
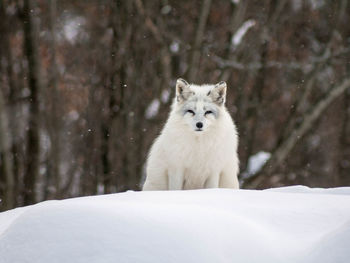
{"x": 291, "y": 224}
{"x": 165, "y": 9}
{"x": 152, "y": 109}
{"x": 238, "y": 36}
{"x": 174, "y": 47}
{"x": 73, "y": 115}
{"x": 316, "y": 4}
{"x": 236, "y": 2}
{"x": 165, "y": 96}
{"x": 72, "y": 28}
{"x": 257, "y": 161}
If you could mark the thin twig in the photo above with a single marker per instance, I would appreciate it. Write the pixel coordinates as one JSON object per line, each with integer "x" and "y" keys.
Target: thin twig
{"x": 304, "y": 67}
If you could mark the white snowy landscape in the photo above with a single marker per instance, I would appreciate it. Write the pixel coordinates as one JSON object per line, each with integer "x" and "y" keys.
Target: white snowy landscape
{"x": 290, "y": 224}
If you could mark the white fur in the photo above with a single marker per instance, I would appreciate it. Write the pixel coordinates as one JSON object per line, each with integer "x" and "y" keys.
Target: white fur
{"x": 182, "y": 158}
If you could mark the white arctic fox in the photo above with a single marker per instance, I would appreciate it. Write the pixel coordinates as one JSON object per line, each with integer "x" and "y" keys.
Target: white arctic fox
{"x": 197, "y": 147}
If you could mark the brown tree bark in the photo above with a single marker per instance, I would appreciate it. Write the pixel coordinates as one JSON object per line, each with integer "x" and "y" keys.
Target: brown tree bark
{"x": 54, "y": 118}
{"x": 6, "y": 169}
{"x": 281, "y": 153}
{"x": 196, "y": 53}
{"x": 7, "y": 179}
{"x": 33, "y": 137}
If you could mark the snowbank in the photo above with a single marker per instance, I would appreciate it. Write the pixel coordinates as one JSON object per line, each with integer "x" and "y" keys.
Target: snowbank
{"x": 220, "y": 225}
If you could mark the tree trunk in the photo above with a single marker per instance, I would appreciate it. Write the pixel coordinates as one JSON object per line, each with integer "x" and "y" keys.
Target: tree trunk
{"x": 33, "y": 137}
{"x": 7, "y": 181}
{"x": 196, "y": 53}
{"x": 6, "y": 169}
{"x": 53, "y": 118}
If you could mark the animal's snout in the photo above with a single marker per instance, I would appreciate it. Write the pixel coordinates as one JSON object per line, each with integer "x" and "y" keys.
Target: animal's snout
{"x": 199, "y": 125}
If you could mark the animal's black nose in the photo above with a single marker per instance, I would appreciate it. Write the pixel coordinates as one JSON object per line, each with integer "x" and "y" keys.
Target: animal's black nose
{"x": 199, "y": 125}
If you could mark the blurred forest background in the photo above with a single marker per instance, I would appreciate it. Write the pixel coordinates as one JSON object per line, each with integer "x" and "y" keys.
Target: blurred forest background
{"x": 86, "y": 86}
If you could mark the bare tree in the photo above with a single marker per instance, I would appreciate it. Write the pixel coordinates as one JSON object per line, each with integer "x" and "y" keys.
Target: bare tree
{"x": 53, "y": 118}
{"x": 280, "y": 154}
{"x": 31, "y": 46}
{"x": 196, "y": 52}
{"x": 6, "y": 169}
{"x": 7, "y": 179}
{"x": 107, "y": 64}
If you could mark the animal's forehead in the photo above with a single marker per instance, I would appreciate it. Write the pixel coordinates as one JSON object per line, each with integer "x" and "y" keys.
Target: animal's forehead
{"x": 200, "y": 93}
{"x": 199, "y": 104}
{"x": 201, "y": 90}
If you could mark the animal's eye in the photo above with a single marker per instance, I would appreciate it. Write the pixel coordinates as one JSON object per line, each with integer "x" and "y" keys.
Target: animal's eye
{"x": 191, "y": 111}
{"x": 208, "y": 112}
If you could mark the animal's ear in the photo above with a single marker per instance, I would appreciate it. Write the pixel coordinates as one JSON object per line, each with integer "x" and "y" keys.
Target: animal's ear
{"x": 182, "y": 90}
{"x": 218, "y": 93}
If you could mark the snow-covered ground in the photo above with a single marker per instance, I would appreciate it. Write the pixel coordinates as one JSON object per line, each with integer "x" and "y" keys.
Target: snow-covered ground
{"x": 292, "y": 224}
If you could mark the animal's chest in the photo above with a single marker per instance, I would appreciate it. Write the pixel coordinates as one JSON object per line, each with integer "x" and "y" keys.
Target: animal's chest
{"x": 197, "y": 161}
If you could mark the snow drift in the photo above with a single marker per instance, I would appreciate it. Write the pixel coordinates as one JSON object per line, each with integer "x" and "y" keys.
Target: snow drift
{"x": 292, "y": 224}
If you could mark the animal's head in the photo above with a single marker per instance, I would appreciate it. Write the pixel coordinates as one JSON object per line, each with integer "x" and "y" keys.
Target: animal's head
{"x": 200, "y": 105}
